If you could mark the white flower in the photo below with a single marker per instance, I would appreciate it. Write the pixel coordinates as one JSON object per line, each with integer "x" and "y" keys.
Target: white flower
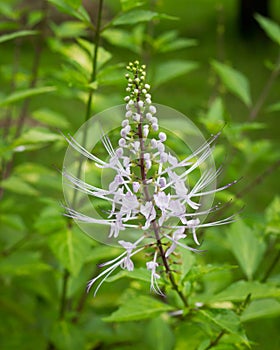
{"x": 152, "y": 266}
{"x": 149, "y": 212}
{"x": 149, "y": 184}
{"x": 123, "y": 260}
{"x": 177, "y": 235}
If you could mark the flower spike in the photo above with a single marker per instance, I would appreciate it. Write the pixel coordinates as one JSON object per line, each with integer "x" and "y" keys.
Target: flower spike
{"x": 150, "y": 191}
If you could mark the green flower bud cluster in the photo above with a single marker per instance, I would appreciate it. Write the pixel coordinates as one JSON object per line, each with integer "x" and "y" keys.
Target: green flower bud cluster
{"x": 136, "y": 86}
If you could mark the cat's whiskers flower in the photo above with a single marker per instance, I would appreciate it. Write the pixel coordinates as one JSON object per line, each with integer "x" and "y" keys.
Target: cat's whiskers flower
{"x": 150, "y": 191}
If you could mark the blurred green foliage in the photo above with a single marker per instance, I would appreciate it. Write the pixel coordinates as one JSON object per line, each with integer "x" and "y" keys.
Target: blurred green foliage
{"x": 60, "y": 65}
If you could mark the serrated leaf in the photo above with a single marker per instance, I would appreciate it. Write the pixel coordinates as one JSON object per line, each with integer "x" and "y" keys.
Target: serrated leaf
{"x": 227, "y": 320}
{"x": 238, "y": 291}
{"x": 139, "y": 308}
{"x": 201, "y": 270}
{"x": 172, "y": 69}
{"x": 247, "y": 247}
{"x": 71, "y": 249}
{"x": 234, "y": 81}
{"x": 18, "y": 34}
{"x": 261, "y": 309}
{"x": 21, "y": 95}
{"x": 17, "y": 185}
{"x": 271, "y": 28}
{"x": 159, "y": 335}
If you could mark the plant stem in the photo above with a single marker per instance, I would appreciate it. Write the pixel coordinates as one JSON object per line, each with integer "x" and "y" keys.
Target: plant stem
{"x": 63, "y": 300}
{"x": 216, "y": 340}
{"x": 147, "y": 198}
{"x": 95, "y": 55}
{"x": 90, "y": 95}
{"x": 259, "y": 179}
{"x": 271, "y": 267}
{"x": 264, "y": 94}
{"x": 85, "y": 133}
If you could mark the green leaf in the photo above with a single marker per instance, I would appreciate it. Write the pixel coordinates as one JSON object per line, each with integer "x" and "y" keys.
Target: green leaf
{"x": 8, "y": 10}
{"x": 227, "y": 320}
{"x": 69, "y": 29}
{"x": 138, "y": 274}
{"x": 238, "y": 291}
{"x": 199, "y": 271}
{"x": 138, "y": 16}
{"x": 274, "y": 108}
{"x": 22, "y": 264}
{"x": 65, "y": 335}
{"x": 17, "y": 185}
{"x": 132, "y": 40}
{"x": 172, "y": 69}
{"x": 12, "y": 220}
{"x": 139, "y": 308}
{"x": 272, "y": 215}
{"x": 71, "y": 249}
{"x": 246, "y": 246}
{"x": 103, "y": 55}
{"x": 21, "y": 95}
{"x": 50, "y": 118}
{"x": 214, "y": 119}
{"x": 50, "y": 219}
{"x": 34, "y": 18}
{"x": 159, "y": 335}
{"x": 235, "y": 82}
{"x": 271, "y": 28}
{"x": 188, "y": 259}
{"x": 261, "y": 309}
{"x": 19, "y": 34}
{"x": 37, "y": 135}
{"x": 110, "y": 75}
{"x": 169, "y": 41}
{"x": 130, "y": 4}
{"x": 71, "y": 8}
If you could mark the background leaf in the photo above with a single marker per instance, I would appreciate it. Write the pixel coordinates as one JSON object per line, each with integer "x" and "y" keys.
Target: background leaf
{"x": 71, "y": 249}
{"x": 261, "y": 309}
{"x": 159, "y": 335}
{"x": 21, "y": 95}
{"x": 271, "y": 28}
{"x": 139, "y": 308}
{"x": 168, "y": 70}
{"x": 18, "y": 34}
{"x": 235, "y": 82}
{"x": 246, "y": 246}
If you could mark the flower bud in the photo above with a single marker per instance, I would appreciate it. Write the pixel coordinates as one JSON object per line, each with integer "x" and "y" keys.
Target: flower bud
{"x": 162, "y": 136}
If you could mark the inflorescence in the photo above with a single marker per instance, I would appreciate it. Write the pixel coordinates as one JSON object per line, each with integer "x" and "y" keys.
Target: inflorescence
{"x": 149, "y": 193}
